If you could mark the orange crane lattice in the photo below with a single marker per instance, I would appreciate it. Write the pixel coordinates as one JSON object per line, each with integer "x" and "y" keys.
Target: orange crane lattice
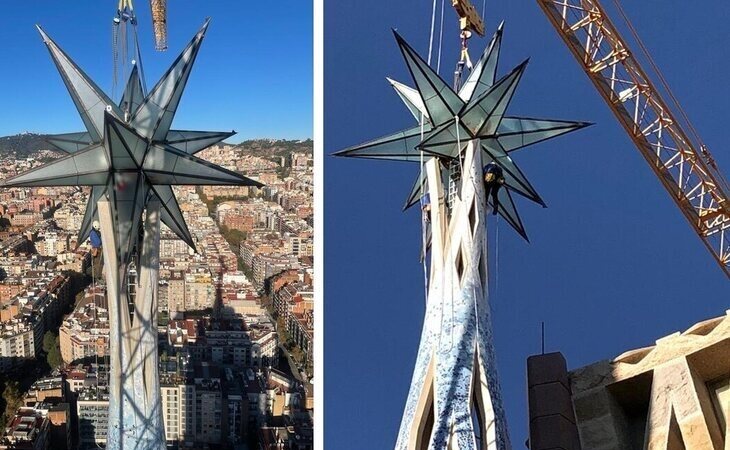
{"x": 159, "y": 23}
{"x": 683, "y": 165}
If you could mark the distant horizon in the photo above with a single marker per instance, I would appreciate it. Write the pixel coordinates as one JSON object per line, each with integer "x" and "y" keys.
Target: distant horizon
{"x": 248, "y": 139}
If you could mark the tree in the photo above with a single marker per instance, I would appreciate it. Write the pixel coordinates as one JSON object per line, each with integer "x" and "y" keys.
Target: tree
{"x": 51, "y": 344}
{"x": 49, "y": 340}
{"x": 244, "y": 268}
{"x": 233, "y": 237}
{"x": 267, "y": 303}
{"x": 281, "y": 329}
{"x": 13, "y": 400}
{"x": 297, "y": 354}
{"x": 283, "y": 172}
{"x": 54, "y": 358}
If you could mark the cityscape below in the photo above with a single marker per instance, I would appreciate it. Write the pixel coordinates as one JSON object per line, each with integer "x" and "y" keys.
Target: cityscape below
{"x": 235, "y": 319}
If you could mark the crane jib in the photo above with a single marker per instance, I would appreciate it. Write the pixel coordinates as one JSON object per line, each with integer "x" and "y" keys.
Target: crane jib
{"x": 683, "y": 165}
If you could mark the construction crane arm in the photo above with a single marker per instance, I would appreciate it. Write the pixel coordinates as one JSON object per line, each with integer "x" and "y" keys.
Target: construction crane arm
{"x": 685, "y": 168}
{"x": 469, "y": 18}
{"x": 159, "y": 23}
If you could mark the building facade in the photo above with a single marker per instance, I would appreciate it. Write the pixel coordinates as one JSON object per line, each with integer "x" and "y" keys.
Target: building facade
{"x": 85, "y": 333}
{"x": 92, "y": 409}
{"x": 674, "y": 394}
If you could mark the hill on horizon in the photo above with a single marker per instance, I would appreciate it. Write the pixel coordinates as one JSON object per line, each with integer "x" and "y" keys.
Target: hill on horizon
{"x": 23, "y": 144}
{"x": 26, "y": 144}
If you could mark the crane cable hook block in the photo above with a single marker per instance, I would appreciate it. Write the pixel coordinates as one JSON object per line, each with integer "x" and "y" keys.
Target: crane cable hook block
{"x": 469, "y": 21}
{"x": 125, "y": 13}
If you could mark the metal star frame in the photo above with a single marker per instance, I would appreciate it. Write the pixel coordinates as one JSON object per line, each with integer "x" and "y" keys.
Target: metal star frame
{"x": 450, "y": 120}
{"x": 128, "y": 151}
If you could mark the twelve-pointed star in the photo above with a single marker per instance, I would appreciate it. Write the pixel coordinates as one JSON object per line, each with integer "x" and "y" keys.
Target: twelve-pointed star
{"x": 128, "y": 152}
{"x": 451, "y": 120}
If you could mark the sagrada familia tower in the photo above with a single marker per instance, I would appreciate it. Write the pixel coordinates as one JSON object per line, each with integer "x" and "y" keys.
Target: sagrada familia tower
{"x": 130, "y": 158}
{"x": 454, "y": 401}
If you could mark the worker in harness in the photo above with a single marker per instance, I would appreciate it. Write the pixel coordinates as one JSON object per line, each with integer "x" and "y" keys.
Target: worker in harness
{"x": 97, "y": 263}
{"x": 493, "y": 181}
{"x": 426, "y": 207}
{"x": 426, "y": 211}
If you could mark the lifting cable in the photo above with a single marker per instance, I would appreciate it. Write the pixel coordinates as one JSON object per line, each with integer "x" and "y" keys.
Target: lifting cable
{"x": 115, "y": 57}
{"x": 433, "y": 24}
{"x": 496, "y": 219}
{"x": 496, "y": 253}
{"x": 424, "y": 223}
{"x": 125, "y": 43}
{"x": 441, "y": 38}
{"x": 121, "y": 37}
{"x": 96, "y": 312}
{"x": 140, "y": 67}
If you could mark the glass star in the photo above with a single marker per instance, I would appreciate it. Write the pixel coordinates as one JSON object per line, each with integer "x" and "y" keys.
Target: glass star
{"x": 128, "y": 152}
{"x": 448, "y": 120}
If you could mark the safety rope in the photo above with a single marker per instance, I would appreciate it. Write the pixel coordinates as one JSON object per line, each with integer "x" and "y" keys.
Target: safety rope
{"x": 458, "y": 145}
{"x": 96, "y": 312}
{"x": 496, "y": 254}
{"x": 140, "y": 66}
{"x": 125, "y": 41}
{"x": 441, "y": 38}
{"x": 433, "y": 23}
{"x": 424, "y": 223}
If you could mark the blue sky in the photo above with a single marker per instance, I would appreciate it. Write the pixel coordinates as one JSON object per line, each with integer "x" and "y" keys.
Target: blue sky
{"x": 612, "y": 266}
{"x": 253, "y": 73}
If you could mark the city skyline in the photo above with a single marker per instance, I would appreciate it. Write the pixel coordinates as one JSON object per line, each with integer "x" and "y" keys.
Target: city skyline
{"x": 242, "y": 304}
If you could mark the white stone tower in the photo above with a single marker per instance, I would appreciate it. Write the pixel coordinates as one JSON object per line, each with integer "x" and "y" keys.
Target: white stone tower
{"x": 454, "y": 402}
{"x": 454, "y": 399}
{"x": 131, "y": 158}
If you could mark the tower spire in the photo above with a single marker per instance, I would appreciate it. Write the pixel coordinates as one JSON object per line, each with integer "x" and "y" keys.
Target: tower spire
{"x": 131, "y": 158}
{"x": 454, "y": 401}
